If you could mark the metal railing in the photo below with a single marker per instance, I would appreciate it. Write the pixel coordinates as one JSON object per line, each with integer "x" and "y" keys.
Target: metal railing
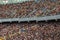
{"x": 55, "y": 17}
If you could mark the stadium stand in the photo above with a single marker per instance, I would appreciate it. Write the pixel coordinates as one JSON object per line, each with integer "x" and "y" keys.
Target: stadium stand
{"x": 30, "y": 31}
{"x": 44, "y": 9}
{"x": 29, "y": 9}
{"x": 13, "y": 14}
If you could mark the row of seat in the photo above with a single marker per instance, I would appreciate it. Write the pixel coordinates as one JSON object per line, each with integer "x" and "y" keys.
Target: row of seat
{"x": 30, "y": 31}
{"x": 30, "y": 9}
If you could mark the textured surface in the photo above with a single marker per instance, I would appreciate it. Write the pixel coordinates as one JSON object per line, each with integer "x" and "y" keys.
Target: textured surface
{"x": 30, "y": 31}
{"x": 30, "y": 9}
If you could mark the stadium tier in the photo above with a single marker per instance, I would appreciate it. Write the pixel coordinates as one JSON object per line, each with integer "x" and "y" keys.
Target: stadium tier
{"x": 30, "y": 31}
{"x": 30, "y": 9}
{"x": 27, "y": 19}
